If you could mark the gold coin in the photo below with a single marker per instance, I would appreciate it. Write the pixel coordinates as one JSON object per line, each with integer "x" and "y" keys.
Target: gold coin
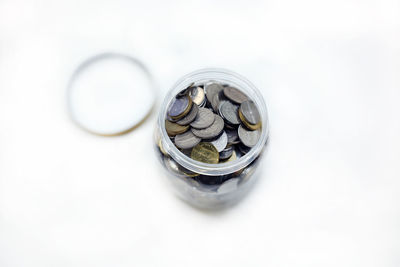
{"x": 248, "y": 124}
{"x": 161, "y": 147}
{"x": 186, "y": 111}
{"x": 174, "y": 128}
{"x": 205, "y": 152}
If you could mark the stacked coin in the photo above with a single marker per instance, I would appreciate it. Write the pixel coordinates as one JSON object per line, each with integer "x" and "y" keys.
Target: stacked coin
{"x": 213, "y": 122}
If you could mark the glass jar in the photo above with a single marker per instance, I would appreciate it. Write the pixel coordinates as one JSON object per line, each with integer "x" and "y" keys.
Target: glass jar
{"x": 210, "y": 186}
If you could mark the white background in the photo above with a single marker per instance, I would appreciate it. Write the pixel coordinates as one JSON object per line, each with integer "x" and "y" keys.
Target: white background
{"x": 329, "y": 194}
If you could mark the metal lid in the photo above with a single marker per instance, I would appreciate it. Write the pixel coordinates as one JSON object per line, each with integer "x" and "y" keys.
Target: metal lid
{"x": 110, "y": 94}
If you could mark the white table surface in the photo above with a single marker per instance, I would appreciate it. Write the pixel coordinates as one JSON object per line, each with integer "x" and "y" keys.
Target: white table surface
{"x": 329, "y": 194}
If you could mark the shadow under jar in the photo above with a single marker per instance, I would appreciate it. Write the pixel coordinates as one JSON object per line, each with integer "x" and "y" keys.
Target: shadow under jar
{"x": 211, "y": 185}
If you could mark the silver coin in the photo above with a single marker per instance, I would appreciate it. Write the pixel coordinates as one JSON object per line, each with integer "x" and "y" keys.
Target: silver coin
{"x": 197, "y": 94}
{"x": 228, "y": 186}
{"x": 178, "y": 106}
{"x": 205, "y": 118}
{"x": 186, "y": 140}
{"x": 229, "y": 112}
{"x": 247, "y": 137}
{"x": 190, "y": 116}
{"x": 217, "y": 100}
{"x": 226, "y": 153}
{"x": 235, "y": 95}
{"x": 233, "y": 137}
{"x": 250, "y": 112}
{"x": 221, "y": 142}
{"x": 214, "y": 130}
{"x": 212, "y": 89}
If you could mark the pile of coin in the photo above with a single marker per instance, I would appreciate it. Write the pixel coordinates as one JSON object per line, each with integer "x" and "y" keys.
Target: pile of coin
{"x": 213, "y": 122}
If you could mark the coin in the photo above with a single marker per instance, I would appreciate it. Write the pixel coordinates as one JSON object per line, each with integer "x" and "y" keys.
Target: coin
{"x": 226, "y": 153}
{"x": 247, "y": 124}
{"x": 250, "y": 112}
{"x": 231, "y": 158}
{"x": 233, "y": 137}
{"x": 217, "y": 100}
{"x": 197, "y": 94}
{"x": 235, "y": 95}
{"x": 229, "y": 112}
{"x": 190, "y": 116}
{"x": 221, "y": 142}
{"x": 212, "y": 89}
{"x": 214, "y": 130}
{"x": 205, "y": 152}
{"x": 248, "y": 138}
{"x": 216, "y": 113}
{"x": 185, "y": 91}
{"x": 174, "y": 128}
{"x": 179, "y": 107}
{"x": 161, "y": 147}
{"x": 186, "y": 140}
{"x": 205, "y": 118}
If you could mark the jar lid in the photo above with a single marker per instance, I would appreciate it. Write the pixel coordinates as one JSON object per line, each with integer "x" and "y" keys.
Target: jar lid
{"x": 111, "y": 94}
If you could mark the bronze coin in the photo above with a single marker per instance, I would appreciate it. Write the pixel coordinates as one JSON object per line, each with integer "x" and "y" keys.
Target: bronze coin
{"x": 174, "y": 128}
{"x": 205, "y": 152}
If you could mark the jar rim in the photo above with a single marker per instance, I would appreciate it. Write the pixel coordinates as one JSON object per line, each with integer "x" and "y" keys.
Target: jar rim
{"x": 219, "y": 75}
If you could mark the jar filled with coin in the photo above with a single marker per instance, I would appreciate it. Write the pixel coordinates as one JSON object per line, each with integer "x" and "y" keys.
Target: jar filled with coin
{"x": 211, "y": 132}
